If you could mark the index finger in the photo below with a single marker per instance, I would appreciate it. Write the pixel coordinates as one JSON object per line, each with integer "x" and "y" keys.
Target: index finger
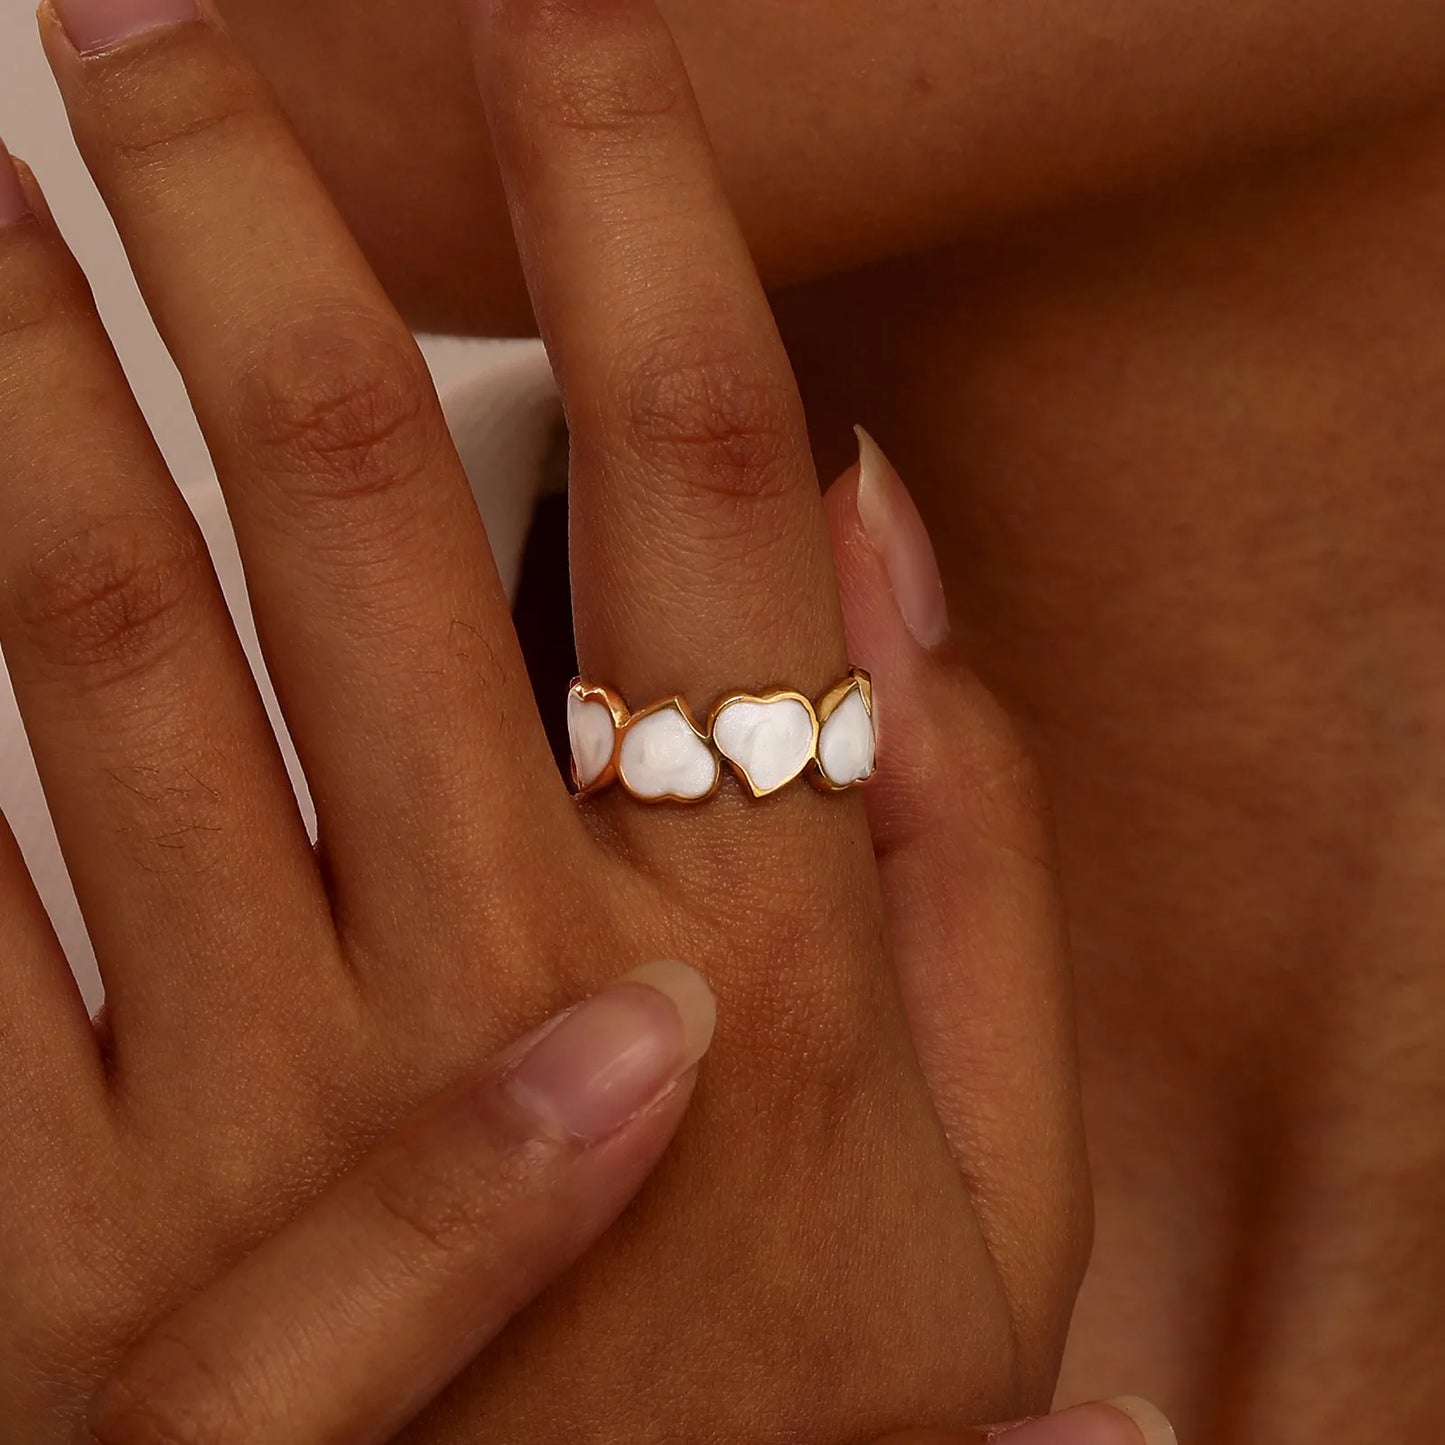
{"x": 346, "y": 1323}
{"x": 700, "y": 556}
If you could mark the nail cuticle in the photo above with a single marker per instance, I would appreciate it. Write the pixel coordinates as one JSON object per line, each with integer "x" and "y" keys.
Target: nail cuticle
{"x": 95, "y": 27}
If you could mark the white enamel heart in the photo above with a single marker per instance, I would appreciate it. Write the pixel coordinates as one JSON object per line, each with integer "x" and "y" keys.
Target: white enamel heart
{"x": 663, "y": 756}
{"x": 847, "y": 744}
{"x": 770, "y": 740}
{"x": 593, "y": 735}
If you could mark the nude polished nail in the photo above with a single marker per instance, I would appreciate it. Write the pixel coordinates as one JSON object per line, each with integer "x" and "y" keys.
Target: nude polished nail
{"x": 1126, "y": 1421}
{"x": 13, "y": 203}
{"x": 95, "y": 24}
{"x": 606, "y": 1061}
{"x": 901, "y": 541}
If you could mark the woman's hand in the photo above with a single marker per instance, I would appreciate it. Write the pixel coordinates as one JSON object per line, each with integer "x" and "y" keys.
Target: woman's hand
{"x": 341, "y": 1327}
{"x": 272, "y": 1010}
{"x": 346, "y": 1323}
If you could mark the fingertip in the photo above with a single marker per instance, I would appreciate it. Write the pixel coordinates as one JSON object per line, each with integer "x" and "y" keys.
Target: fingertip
{"x": 897, "y": 532}
{"x": 1152, "y": 1423}
{"x": 549, "y": 18}
{"x": 1127, "y": 1420}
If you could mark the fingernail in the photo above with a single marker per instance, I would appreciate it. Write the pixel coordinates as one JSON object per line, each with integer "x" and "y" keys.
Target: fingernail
{"x": 13, "y": 203}
{"x": 1125, "y": 1421}
{"x": 901, "y": 540}
{"x": 1153, "y": 1425}
{"x": 610, "y": 1058}
{"x": 95, "y": 24}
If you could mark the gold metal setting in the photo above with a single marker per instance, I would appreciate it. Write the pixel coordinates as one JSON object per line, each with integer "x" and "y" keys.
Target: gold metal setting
{"x": 584, "y": 694}
{"x": 860, "y": 682}
{"x": 600, "y": 724}
{"x": 765, "y": 699}
{"x": 674, "y": 705}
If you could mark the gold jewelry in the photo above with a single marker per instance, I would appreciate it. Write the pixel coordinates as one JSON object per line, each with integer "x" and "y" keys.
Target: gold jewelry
{"x": 847, "y": 734}
{"x": 768, "y": 739}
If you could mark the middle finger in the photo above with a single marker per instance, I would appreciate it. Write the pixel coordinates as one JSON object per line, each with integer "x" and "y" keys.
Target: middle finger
{"x": 385, "y": 627}
{"x": 700, "y": 554}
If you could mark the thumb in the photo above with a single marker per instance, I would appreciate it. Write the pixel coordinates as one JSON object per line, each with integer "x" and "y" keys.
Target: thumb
{"x": 965, "y": 854}
{"x": 347, "y": 1322}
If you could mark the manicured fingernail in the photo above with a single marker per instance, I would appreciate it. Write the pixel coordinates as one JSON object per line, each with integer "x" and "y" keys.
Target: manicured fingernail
{"x": 901, "y": 540}
{"x": 1125, "y": 1421}
{"x": 95, "y": 24}
{"x": 1153, "y": 1425}
{"x": 13, "y": 204}
{"x": 606, "y": 1061}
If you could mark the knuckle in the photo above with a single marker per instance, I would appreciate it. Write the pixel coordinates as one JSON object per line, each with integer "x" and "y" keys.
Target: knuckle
{"x": 801, "y": 1009}
{"x": 340, "y": 410}
{"x": 169, "y": 1395}
{"x": 160, "y": 136}
{"x": 609, "y": 103}
{"x": 617, "y": 84}
{"x": 37, "y": 292}
{"x": 832, "y": 1063}
{"x": 1008, "y": 797}
{"x": 713, "y": 412}
{"x": 178, "y": 98}
{"x": 435, "y": 1207}
{"x": 977, "y": 777}
{"x": 113, "y": 598}
{"x": 838, "y": 1076}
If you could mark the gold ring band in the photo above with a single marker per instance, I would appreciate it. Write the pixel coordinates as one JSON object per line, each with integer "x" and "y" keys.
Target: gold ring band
{"x": 661, "y": 754}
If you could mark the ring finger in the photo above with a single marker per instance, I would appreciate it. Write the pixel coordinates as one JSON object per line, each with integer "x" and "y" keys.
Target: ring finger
{"x": 700, "y": 554}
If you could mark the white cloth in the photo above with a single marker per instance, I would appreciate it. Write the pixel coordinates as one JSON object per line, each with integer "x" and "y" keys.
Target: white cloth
{"x": 504, "y": 419}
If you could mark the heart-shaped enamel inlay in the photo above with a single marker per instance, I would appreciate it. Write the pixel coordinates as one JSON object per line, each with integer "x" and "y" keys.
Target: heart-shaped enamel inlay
{"x": 769, "y": 740}
{"x": 593, "y": 735}
{"x": 847, "y": 745}
{"x": 663, "y": 756}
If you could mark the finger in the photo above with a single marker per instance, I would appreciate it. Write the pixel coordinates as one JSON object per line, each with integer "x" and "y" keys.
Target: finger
{"x": 385, "y": 627}
{"x": 700, "y": 555}
{"x": 965, "y": 854}
{"x": 346, "y": 1323}
{"x": 169, "y": 796}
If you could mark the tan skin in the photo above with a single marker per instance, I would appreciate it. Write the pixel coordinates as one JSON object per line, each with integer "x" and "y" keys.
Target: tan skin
{"x": 342, "y": 1325}
{"x": 1169, "y": 397}
{"x": 1187, "y": 706}
{"x": 884, "y": 1173}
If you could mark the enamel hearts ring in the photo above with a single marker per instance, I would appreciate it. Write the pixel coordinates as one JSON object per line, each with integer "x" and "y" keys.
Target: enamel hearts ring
{"x": 661, "y": 754}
